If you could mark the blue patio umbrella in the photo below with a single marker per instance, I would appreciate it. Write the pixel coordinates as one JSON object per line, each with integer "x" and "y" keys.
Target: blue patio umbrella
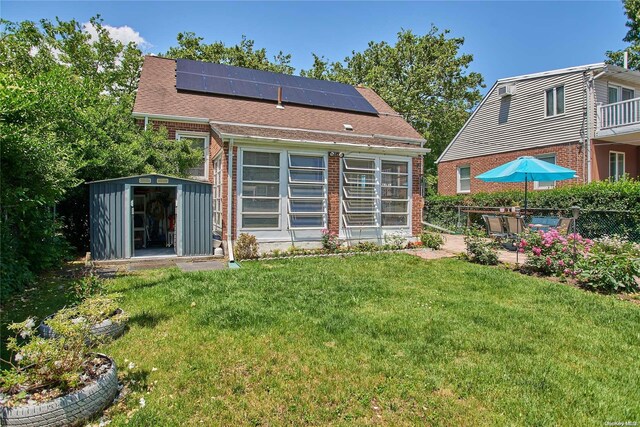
{"x": 525, "y": 169}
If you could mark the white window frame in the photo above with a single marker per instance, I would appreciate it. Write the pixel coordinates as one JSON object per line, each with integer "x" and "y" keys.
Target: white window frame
{"x": 217, "y": 193}
{"x": 407, "y": 200}
{"x": 241, "y": 197}
{"x": 377, "y": 193}
{"x": 543, "y": 185}
{"x": 458, "y": 179}
{"x": 555, "y": 102}
{"x": 619, "y": 89}
{"x": 617, "y": 175}
{"x": 207, "y": 142}
{"x": 324, "y": 183}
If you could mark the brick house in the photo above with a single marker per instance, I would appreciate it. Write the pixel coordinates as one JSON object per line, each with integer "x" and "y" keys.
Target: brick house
{"x": 585, "y": 118}
{"x": 287, "y": 156}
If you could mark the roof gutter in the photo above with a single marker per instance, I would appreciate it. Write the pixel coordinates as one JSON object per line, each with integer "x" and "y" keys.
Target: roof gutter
{"x": 168, "y": 117}
{"x": 329, "y": 145}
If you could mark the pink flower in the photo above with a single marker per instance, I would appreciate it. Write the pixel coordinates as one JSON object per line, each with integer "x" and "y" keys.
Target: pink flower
{"x": 561, "y": 263}
{"x": 536, "y": 251}
{"x": 548, "y": 261}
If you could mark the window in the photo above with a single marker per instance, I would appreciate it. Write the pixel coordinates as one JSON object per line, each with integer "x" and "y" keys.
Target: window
{"x": 394, "y": 193}
{"x": 545, "y": 185}
{"x": 307, "y": 191}
{"x": 375, "y": 192}
{"x": 464, "y": 179}
{"x": 198, "y": 142}
{"x": 217, "y": 195}
{"x": 616, "y": 165}
{"x": 359, "y": 191}
{"x": 554, "y": 101}
{"x": 619, "y": 93}
{"x": 260, "y": 190}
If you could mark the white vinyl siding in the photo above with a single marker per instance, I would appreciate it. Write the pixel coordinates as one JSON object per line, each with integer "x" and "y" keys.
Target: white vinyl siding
{"x": 217, "y": 195}
{"x": 307, "y": 191}
{"x": 260, "y": 190}
{"x": 545, "y": 185}
{"x": 463, "y": 178}
{"x": 527, "y": 125}
{"x": 616, "y": 165}
{"x": 198, "y": 142}
{"x": 554, "y": 101}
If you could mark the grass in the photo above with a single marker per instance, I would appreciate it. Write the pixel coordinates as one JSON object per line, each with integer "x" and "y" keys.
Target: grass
{"x": 382, "y": 339}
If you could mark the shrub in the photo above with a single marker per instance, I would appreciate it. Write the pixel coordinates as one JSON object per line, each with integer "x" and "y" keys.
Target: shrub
{"x": 551, "y": 253}
{"x": 88, "y": 286}
{"x": 395, "y": 240}
{"x": 330, "y": 241}
{"x": 612, "y": 266}
{"x": 431, "y": 240}
{"x": 480, "y": 249}
{"x": 246, "y": 246}
{"x": 366, "y": 247}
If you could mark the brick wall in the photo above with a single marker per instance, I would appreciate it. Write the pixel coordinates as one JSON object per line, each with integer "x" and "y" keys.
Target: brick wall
{"x": 333, "y": 202}
{"x": 567, "y": 155}
{"x": 417, "y": 199}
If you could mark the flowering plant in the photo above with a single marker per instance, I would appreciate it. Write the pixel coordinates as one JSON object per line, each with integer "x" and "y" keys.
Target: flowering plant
{"x": 551, "y": 253}
{"x": 330, "y": 240}
{"x": 612, "y": 266}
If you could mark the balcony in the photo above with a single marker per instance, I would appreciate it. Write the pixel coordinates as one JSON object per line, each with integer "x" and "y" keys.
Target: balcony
{"x": 619, "y": 121}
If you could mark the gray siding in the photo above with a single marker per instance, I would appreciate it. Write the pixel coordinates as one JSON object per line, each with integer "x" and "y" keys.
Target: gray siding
{"x": 518, "y": 122}
{"x": 107, "y": 212}
{"x": 197, "y": 227}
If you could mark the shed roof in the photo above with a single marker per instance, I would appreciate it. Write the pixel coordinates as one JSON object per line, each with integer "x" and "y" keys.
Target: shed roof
{"x": 150, "y": 176}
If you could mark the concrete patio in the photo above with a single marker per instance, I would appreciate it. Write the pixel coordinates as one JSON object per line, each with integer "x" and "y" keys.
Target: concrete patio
{"x": 454, "y": 245}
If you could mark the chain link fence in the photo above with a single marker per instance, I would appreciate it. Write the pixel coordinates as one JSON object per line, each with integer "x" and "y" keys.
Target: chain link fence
{"x": 590, "y": 223}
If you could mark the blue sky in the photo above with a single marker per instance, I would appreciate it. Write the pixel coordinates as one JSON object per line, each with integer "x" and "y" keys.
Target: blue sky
{"x": 505, "y": 38}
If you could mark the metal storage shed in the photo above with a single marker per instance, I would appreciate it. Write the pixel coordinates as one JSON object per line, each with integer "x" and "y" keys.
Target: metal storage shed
{"x": 150, "y": 215}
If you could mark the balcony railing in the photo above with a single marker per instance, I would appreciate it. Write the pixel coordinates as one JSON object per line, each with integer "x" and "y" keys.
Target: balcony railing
{"x": 618, "y": 114}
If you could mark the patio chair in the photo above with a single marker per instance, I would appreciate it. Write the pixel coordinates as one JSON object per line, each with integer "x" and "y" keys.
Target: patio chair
{"x": 495, "y": 227}
{"x": 514, "y": 225}
{"x": 565, "y": 225}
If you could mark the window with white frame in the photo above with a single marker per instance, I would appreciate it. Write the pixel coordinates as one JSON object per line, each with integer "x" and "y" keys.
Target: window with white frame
{"x": 198, "y": 142}
{"x": 619, "y": 93}
{"x": 616, "y": 165}
{"x": 394, "y": 193}
{"x": 554, "y": 101}
{"x": 307, "y": 189}
{"x": 260, "y": 190}
{"x": 359, "y": 192}
{"x": 464, "y": 179}
{"x": 545, "y": 185}
{"x": 217, "y": 195}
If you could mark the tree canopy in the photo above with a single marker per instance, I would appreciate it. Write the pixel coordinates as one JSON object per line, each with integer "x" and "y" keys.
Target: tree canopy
{"x": 632, "y": 10}
{"x": 424, "y": 78}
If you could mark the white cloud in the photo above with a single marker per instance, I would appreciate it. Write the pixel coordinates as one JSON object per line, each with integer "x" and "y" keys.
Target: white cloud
{"x": 124, "y": 34}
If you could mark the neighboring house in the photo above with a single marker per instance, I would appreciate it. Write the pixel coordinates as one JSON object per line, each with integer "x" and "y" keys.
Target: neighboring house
{"x": 302, "y": 155}
{"x": 585, "y": 118}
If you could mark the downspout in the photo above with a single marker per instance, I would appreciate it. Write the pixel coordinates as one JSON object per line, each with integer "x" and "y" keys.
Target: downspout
{"x": 230, "y": 183}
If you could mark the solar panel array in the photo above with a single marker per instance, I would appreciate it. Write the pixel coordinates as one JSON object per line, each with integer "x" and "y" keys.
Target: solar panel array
{"x": 228, "y": 80}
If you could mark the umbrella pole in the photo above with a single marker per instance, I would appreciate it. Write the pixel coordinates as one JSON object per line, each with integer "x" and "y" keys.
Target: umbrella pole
{"x": 525, "y": 196}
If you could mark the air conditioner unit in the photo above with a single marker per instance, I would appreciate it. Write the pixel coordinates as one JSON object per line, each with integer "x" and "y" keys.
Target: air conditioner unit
{"x": 507, "y": 90}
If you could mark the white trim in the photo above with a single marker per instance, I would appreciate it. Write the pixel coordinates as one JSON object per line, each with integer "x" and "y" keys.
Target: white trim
{"x": 458, "y": 190}
{"x": 169, "y": 118}
{"x": 207, "y": 149}
{"x": 624, "y": 164}
{"x": 464, "y": 126}
{"x": 567, "y": 70}
{"x": 554, "y": 90}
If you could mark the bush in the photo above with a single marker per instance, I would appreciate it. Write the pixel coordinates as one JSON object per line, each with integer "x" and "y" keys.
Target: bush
{"x": 330, "y": 241}
{"x": 612, "y": 266}
{"x": 246, "y": 246}
{"x": 551, "y": 253}
{"x": 480, "y": 249}
{"x": 431, "y": 240}
{"x": 366, "y": 247}
{"x": 394, "y": 240}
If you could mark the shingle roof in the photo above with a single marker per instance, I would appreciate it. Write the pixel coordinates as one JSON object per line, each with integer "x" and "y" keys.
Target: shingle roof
{"x": 157, "y": 95}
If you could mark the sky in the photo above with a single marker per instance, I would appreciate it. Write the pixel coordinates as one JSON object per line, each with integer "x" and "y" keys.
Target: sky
{"x": 505, "y": 38}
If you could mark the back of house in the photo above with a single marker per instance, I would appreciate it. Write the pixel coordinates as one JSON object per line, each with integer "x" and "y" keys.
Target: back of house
{"x": 585, "y": 118}
{"x": 288, "y": 157}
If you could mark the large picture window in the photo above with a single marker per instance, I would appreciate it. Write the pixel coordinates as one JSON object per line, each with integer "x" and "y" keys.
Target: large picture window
{"x": 307, "y": 191}
{"x": 198, "y": 143}
{"x": 375, "y": 192}
{"x": 260, "y": 190}
{"x": 217, "y": 194}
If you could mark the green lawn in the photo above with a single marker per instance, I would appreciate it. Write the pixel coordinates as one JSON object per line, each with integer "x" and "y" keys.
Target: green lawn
{"x": 388, "y": 339}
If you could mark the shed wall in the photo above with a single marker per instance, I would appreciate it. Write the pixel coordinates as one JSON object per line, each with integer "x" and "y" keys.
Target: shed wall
{"x": 107, "y": 212}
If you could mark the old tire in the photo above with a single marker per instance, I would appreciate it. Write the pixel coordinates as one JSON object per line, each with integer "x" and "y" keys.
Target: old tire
{"x": 105, "y": 328}
{"x": 70, "y": 409}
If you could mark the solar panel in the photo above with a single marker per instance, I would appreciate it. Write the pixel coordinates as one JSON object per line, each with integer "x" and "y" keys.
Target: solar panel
{"x": 228, "y": 80}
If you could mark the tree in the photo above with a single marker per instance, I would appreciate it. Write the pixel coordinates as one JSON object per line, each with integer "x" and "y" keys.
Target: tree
{"x": 632, "y": 9}
{"x": 65, "y": 119}
{"x": 241, "y": 55}
{"x": 423, "y": 78}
